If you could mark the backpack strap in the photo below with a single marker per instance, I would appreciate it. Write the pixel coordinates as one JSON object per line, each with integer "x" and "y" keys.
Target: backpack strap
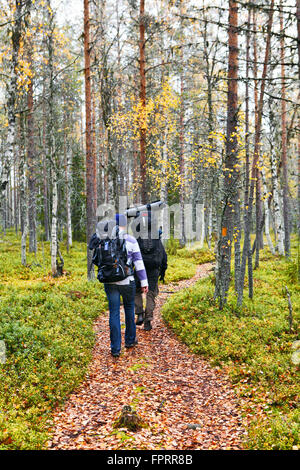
{"x": 149, "y": 240}
{"x": 118, "y": 244}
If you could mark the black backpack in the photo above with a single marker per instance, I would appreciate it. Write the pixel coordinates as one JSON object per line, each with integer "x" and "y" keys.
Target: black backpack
{"x": 151, "y": 252}
{"x": 110, "y": 256}
{"x": 150, "y": 248}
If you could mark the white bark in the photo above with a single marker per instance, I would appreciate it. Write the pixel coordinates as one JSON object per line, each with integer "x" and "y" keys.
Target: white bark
{"x": 52, "y": 144}
{"x": 163, "y": 188}
{"x": 277, "y": 213}
{"x": 24, "y": 209}
{"x": 8, "y": 154}
{"x": 23, "y": 241}
{"x": 68, "y": 181}
{"x": 54, "y": 226}
{"x": 200, "y": 224}
{"x": 11, "y": 100}
{"x": 210, "y": 221}
{"x": 267, "y": 211}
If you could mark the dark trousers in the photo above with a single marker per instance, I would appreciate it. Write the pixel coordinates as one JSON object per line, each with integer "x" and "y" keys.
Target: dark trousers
{"x": 150, "y": 296}
{"x": 114, "y": 293}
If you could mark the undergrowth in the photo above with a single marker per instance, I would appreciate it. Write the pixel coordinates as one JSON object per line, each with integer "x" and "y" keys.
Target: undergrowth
{"x": 182, "y": 262}
{"x": 254, "y": 344}
{"x": 46, "y": 325}
{"x": 47, "y": 328}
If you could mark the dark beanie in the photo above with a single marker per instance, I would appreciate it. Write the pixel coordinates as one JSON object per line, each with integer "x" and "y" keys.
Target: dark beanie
{"x": 121, "y": 220}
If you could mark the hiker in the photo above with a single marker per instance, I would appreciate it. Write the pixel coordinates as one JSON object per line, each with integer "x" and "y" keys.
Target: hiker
{"x": 115, "y": 254}
{"x": 156, "y": 263}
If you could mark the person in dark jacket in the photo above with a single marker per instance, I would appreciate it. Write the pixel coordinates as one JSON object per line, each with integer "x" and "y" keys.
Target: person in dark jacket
{"x": 156, "y": 263}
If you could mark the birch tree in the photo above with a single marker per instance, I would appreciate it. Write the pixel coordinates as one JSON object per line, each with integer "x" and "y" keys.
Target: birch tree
{"x": 266, "y": 209}
{"x": 51, "y": 145}
{"x": 31, "y": 157}
{"x": 16, "y": 31}
{"x": 284, "y": 139}
{"x": 298, "y": 49}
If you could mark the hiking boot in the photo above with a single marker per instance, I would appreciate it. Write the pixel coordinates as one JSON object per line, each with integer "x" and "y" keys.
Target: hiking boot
{"x": 115, "y": 354}
{"x": 147, "y": 325}
{"x": 132, "y": 344}
{"x": 140, "y": 319}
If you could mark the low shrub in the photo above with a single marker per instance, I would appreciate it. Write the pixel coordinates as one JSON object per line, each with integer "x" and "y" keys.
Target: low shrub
{"x": 253, "y": 344}
{"x": 199, "y": 256}
{"x": 48, "y": 336}
{"x": 179, "y": 269}
{"x": 47, "y": 327}
{"x": 171, "y": 246}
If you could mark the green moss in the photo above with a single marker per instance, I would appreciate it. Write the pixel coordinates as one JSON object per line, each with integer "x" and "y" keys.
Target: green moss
{"x": 48, "y": 334}
{"x": 253, "y": 343}
{"x": 183, "y": 262}
{"x": 180, "y": 269}
{"x": 47, "y": 327}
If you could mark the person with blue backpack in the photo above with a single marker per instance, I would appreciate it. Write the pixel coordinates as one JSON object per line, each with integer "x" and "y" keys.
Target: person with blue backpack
{"x": 116, "y": 254}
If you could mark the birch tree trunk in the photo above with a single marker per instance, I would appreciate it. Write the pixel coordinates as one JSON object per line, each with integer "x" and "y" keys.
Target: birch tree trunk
{"x": 31, "y": 165}
{"x": 23, "y": 191}
{"x": 284, "y": 141}
{"x": 45, "y": 172}
{"x": 200, "y": 214}
{"x": 54, "y": 224}
{"x": 51, "y": 140}
{"x": 276, "y": 203}
{"x": 298, "y": 142}
{"x": 69, "y": 183}
{"x": 237, "y": 243}
{"x": 209, "y": 222}
{"x": 267, "y": 211}
{"x": 11, "y": 103}
{"x": 181, "y": 158}
{"x": 298, "y": 30}
{"x": 16, "y": 194}
{"x": 25, "y": 229}
{"x": 68, "y": 163}
{"x": 258, "y": 204}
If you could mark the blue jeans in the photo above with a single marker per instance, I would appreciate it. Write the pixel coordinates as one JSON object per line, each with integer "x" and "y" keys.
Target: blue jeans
{"x": 114, "y": 293}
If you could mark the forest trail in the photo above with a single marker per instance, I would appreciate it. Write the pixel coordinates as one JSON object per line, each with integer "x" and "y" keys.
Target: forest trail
{"x": 186, "y": 403}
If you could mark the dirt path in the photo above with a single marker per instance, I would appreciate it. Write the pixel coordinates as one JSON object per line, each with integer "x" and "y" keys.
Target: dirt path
{"x": 185, "y": 402}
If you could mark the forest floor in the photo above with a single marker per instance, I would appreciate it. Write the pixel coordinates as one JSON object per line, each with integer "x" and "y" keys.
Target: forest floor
{"x": 183, "y": 401}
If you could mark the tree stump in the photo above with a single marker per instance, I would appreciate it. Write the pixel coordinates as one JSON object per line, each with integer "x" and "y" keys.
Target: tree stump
{"x": 129, "y": 419}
